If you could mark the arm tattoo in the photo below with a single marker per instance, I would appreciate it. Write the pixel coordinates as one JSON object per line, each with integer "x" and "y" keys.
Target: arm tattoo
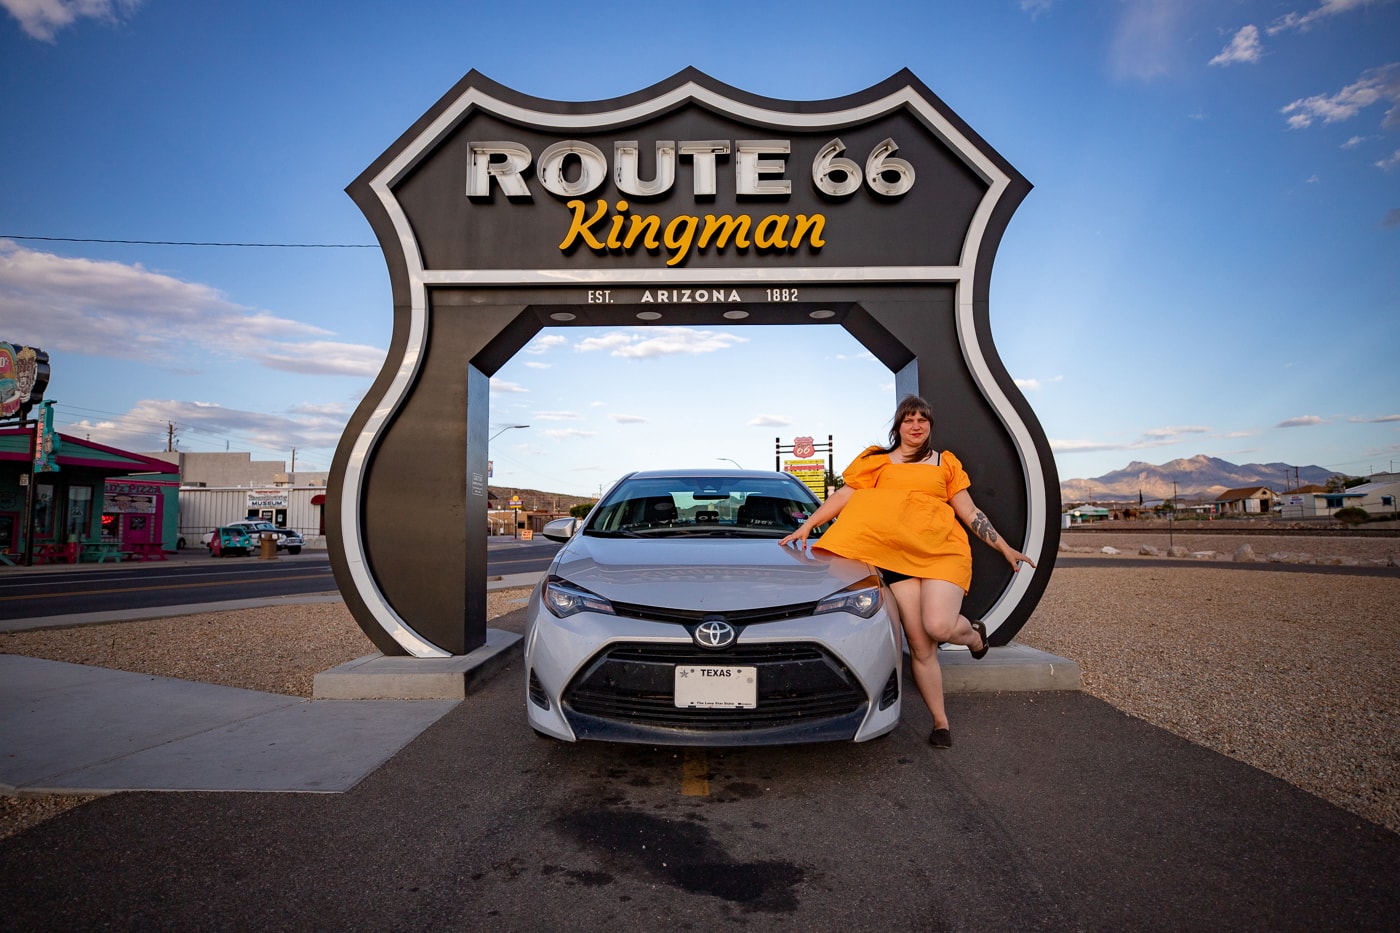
{"x": 983, "y": 529}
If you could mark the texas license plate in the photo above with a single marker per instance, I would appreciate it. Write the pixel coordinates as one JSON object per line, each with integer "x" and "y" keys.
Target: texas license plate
{"x": 716, "y": 686}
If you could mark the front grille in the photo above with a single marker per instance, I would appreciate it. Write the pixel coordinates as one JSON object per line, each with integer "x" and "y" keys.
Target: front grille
{"x": 737, "y": 617}
{"x": 634, "y": 683}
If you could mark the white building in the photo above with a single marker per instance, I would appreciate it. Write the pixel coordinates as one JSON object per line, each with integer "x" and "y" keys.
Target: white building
{"x": 1379, "y": 496}
{"x": 218, "y": 488}
{"x": 301, "y": 508}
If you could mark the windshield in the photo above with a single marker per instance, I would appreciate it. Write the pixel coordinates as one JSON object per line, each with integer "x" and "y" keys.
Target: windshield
{"x": 739, "y": 506}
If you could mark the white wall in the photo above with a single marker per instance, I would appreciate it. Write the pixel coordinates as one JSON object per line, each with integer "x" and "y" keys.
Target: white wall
{"x": 202, "y": 509}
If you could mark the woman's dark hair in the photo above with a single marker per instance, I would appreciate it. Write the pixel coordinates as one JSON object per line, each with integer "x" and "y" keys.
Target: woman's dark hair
{"x": 909, "y": 405}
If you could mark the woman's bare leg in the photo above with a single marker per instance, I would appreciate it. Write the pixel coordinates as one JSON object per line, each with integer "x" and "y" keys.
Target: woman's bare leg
{"x": 930, "y": 611}
{"x": 941, "y": 608}
{"x": 923, "y": 650}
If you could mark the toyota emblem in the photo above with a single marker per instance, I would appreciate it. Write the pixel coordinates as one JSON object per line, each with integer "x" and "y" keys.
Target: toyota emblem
{"x": 714, "y": 633}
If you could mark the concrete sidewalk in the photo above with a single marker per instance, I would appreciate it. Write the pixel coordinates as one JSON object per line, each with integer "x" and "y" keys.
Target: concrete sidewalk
{"x": 72, "y": 728}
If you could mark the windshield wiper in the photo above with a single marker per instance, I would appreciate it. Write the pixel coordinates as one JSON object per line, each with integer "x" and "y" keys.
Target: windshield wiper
{"x": 602, "y": 533}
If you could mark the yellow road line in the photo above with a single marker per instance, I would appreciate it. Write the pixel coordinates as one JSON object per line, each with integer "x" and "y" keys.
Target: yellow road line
{"x": 695, "y": 774}
{"x": 141, "y": 589}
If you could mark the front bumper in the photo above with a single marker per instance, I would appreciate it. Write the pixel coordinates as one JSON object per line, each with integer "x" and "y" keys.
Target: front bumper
{"x": 831, "y": 677}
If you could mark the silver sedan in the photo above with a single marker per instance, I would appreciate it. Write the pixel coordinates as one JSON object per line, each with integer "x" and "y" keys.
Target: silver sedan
{"x": 671, "y": 616}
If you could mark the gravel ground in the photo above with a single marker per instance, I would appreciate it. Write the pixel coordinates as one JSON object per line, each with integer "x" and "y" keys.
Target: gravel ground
{"x": 1291, "y": 672}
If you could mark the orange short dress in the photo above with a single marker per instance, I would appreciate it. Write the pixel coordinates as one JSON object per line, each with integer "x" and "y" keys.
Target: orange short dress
{"x": 899, "y": 518}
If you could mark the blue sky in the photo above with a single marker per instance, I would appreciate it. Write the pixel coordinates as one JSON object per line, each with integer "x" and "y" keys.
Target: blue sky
{"x": 1209, "y": 261}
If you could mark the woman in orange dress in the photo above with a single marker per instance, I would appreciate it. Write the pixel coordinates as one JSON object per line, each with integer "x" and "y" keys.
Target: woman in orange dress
{"x": 899, "y": 509}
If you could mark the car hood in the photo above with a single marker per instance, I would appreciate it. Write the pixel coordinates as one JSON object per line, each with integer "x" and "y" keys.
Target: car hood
{"x": 705, "y": 574}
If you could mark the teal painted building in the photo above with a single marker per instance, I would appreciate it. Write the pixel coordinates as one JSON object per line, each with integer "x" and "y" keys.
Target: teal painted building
{"x": 99, "y": 503}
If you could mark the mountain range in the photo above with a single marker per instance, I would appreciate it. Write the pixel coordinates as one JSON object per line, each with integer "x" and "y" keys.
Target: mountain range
{"x": 1198, "y": 477}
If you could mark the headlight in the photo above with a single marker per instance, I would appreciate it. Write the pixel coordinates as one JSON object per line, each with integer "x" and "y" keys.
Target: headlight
{"x": 862, "y": 599}
{"x": 563, "y": 599}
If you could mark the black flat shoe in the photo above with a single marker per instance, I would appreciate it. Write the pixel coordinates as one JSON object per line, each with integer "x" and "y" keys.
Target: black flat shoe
{"x": 981, "y": 630}
{"x": 940, "y": 738}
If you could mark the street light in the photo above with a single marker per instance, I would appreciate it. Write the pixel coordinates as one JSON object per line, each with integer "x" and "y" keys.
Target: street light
{"x": 735, "y": 462}
{"x": 504, "y": 430}
{"x": 514, "y": 517}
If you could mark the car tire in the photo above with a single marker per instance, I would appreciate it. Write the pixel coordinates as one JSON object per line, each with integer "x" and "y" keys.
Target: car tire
{"x": 180, "y": 544}
{"x": 293, "y": 550}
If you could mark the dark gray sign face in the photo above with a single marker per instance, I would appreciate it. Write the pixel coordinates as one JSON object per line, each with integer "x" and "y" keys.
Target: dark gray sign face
{"x": 689, "y": 203}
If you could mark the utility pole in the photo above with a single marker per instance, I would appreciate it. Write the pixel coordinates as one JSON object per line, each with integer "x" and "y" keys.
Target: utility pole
{"x": 1171, "y": 519}
{"x": 169, "y": 436}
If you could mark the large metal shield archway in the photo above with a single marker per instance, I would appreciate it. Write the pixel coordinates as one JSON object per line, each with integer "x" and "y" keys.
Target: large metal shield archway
{"x": 689, "y": 203}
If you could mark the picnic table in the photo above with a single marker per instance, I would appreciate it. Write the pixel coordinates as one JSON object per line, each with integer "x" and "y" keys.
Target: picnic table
{"x": 145, "y": 550}
{"x": 99, "y": 551}
{"x": 54, "y": 552}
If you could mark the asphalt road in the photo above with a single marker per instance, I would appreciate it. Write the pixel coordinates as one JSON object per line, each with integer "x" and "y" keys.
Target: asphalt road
{"x": 1052, "y": 812}
{"x": 193, "y": 578}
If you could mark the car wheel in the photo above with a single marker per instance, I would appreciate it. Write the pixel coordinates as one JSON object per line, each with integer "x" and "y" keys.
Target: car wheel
{"x": 180, "y": 544}
{"x": 293, "y": 550}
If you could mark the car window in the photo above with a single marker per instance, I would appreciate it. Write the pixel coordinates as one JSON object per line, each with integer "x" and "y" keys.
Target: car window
{"x": 745, "y": 506}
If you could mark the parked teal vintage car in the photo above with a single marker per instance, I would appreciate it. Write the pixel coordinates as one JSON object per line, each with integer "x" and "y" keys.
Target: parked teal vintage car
{"x": 230, "y": 539}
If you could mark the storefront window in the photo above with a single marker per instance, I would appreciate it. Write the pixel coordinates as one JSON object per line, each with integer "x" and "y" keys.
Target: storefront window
{"x": 43, "y": 512}
{"x": 79, "y": 512}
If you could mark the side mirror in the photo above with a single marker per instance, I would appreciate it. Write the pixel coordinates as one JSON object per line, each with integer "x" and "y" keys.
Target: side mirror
{"x": 561, "y": 529}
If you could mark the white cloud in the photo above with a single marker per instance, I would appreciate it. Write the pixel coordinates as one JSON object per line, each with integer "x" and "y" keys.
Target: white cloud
{"x": 1353, "y": 142}
{"x": 104, "y": 309}
{"x": 321, "y": 357}
{"x": 1036, "y": 7}
{"x": 1172, "y": 433}
{"x": 652, "y": 343}
{"x": 565, "y": 433}
{"x": 535, "y": 364}
{"x": 1383, "y": 419}
{"x": 1244, "y": 47}
{"x": 1389, "y": 163}
{"x": 628, "y": 419}
{"x": 544, "y": 343}
{"x": 557, "y": 416}
{"x": 1145, "y": 37}
{"x": 501, "y": 385}
{"x": 769, "y": 421}
{"x": 1302, "y": 421}
{"x": 1325, "y": 9}
{"x": 1376, "y": 85}
{"x": 42, "y": 19}
{"x": 1154, "y": 437}
{"x": 1060, "y": 446}
{"x": 1035, "y": 385}
{"x": 205, "y": 426}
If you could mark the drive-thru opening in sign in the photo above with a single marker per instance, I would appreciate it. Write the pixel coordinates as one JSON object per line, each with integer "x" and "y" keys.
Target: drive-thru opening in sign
{"x": 692, "y": 204}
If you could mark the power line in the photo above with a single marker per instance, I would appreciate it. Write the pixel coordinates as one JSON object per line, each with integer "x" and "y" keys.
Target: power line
{"x": 70, "y": 239}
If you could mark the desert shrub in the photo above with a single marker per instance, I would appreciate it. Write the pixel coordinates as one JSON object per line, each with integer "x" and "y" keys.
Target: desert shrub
{"x": 1352, "y": 515}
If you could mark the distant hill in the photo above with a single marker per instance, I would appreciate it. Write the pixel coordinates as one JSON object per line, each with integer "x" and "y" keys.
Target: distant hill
{"x": 498, "y": 497}
{"x": 1199, "y": 477}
